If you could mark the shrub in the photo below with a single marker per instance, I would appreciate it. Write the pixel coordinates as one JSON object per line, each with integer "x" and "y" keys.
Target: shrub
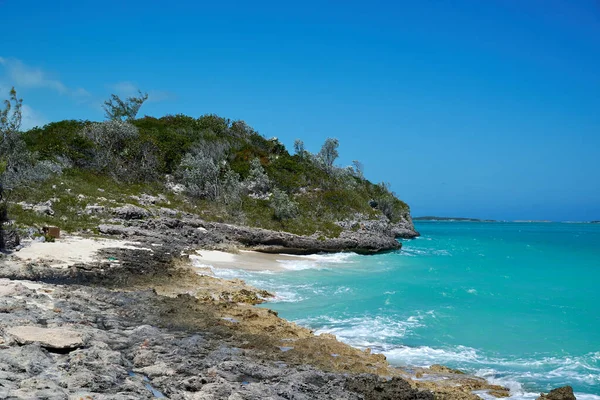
{"x": 119, "y": 151}
{"x": 200, "y": 175}
{"x": 283, "y": 207}
{"x": 257, "y": 182}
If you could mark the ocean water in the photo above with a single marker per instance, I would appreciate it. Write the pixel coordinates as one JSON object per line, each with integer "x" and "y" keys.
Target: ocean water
{"x": 516, "y": 303}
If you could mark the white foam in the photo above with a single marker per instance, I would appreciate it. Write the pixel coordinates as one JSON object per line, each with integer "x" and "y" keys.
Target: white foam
{"x": 317, "y": 261}
{"x": 225, "y": 273}
{"x": 372, "y": 332}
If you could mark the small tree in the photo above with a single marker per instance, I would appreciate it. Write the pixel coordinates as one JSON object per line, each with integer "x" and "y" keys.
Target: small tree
{"x": 231, "y": 191}
{"x": 358, "y": 169}
{"x": 329, "y": 153}
{"x": 283, "y": 207}
{"x": 18, "y": 166}
{"x": 117, "y": 109}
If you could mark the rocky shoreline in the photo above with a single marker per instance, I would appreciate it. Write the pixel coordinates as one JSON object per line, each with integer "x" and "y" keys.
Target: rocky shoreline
{"x": 360, "y": 236}
{"x": 145, "y": 323}
{"x": 138, "y": 321}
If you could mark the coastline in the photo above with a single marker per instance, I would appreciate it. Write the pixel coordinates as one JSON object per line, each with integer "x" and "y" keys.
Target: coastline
{"x": 225, "y": 306}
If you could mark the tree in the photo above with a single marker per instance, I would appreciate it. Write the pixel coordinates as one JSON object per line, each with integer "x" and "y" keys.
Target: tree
{"x": 18, "y": 166}
{"x": 117, "y": 109}
{"x": 10, "y": 117}
{"x": 358, "y": 169}
{"x": 299, "y": 148}
{"x": 329, "y": 153}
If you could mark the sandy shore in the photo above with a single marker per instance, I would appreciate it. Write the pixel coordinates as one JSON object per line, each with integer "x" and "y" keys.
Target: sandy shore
{"x": 70, "y": 250}
{"x": 244, "y": 259}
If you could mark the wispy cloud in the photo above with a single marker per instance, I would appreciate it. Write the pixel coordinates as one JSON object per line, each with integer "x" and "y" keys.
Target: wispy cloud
{"x": 30, "y": 118}
{"x": 128, "y": 89}
{"x": 22, "y": 75}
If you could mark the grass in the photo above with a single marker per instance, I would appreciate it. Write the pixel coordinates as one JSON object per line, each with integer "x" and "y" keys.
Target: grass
{"x": 72, "y": 191}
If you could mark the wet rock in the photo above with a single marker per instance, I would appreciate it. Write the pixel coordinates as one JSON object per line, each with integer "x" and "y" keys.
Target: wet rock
{"x": 52, "y": 338}
{"x": 561, "y": 393}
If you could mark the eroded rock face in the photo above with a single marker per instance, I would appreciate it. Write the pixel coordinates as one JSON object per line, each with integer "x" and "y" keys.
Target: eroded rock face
{"x": 561, "y": 393}
{"x": 194, "y": 231}
{"x": 51, "y": 338}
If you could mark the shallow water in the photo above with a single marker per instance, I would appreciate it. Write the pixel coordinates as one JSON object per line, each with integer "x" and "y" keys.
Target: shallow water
{"x": 518, "y": 304}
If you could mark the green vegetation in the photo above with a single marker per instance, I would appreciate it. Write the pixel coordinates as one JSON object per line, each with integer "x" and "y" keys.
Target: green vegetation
{"x": 228, "y": 172}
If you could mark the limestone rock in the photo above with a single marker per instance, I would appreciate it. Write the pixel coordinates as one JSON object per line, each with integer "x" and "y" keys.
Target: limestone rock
{"x": 129, "y": 211}
{"x": 94, "y": 209}
{"x": 53, "y": 338}
{"x": 444, "y": 370}
{"x": 561, "y": 393}
{"x": 43, "y": 209}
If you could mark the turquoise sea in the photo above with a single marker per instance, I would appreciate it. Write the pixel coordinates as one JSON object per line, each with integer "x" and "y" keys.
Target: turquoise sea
{"x": 516, "y": 303}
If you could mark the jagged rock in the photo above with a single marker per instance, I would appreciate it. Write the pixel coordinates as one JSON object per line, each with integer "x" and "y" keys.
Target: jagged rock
{"x": 175, "y": 187}
{"x": 94, "y": 209}
{"x": 444, "y": 370}
{"x": 373, "y": 387}
{"x": 129, "y": 211}
{"x": 147, "y": 200}
{"x": 561, "y": 393}
{"x": 405, "y": 228}
{"x": 54, "y": 338}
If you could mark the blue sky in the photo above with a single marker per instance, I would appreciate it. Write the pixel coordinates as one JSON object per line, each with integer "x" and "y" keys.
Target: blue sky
{"x": 468, "y": 108}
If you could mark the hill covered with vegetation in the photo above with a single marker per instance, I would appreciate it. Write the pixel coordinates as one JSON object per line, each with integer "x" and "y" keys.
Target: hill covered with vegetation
{"x": 213, "y": 167}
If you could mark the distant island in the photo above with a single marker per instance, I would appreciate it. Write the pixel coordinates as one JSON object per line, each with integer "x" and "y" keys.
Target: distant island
{"x": 457, "y": 219}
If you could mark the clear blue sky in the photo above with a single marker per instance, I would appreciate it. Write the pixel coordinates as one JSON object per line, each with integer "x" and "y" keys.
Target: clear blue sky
{"x": 468, "y": 108}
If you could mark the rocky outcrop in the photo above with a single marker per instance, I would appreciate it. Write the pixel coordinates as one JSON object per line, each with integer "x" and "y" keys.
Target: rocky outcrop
{"x": 405, "y": 228}
{"x": 561, "y": 393}
{"x": 129, "y": 211}
{"x": 196, "y": 232}
{"x": 282, "y": 242}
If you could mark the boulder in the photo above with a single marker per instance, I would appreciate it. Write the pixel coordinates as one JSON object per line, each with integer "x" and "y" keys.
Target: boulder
{"x": 129, "y": 211}
{"x": 43, "y": 209}
{"x": 561, "y": 393}
{"x": 52, "y": 338}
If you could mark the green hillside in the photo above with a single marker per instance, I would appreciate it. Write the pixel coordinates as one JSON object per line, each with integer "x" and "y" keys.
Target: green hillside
{"x": 220, "y": 169}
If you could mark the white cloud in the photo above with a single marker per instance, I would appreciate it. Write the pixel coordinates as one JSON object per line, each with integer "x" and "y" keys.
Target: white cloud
{"x": 22, "y": 75}
{"x": 31, "y": 118}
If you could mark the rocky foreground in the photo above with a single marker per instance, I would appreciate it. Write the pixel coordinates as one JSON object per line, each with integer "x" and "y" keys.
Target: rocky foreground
{"x": 141, "y": 323}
